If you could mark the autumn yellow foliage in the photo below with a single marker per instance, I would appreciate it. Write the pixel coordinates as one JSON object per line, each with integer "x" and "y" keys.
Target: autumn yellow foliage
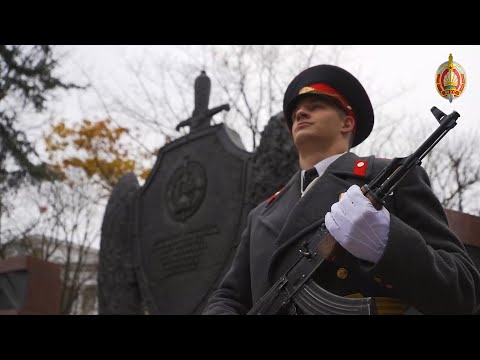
{"x": 94, "y": 147}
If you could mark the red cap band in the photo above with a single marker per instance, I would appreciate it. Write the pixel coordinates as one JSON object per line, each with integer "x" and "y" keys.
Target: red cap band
{"x": 325, "y": 89}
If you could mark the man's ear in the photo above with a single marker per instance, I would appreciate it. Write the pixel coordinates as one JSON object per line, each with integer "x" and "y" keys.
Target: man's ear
{"x": 348, "y": 125}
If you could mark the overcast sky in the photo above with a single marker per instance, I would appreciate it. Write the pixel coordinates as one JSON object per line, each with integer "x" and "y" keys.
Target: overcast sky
{"x": 389, "y": 65}
{"x": 384, "y": 69}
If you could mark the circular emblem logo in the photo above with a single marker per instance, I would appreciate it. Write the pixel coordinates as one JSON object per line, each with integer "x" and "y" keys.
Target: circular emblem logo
{"x": 450, "y": 79}
{"x": 186, "y": 190}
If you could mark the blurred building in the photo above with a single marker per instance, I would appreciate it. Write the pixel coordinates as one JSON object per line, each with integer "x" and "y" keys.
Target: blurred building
{"x": 79, "y": 268}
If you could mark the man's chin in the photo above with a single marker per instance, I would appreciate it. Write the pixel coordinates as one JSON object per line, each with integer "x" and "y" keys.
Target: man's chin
{"x": 303, "y": 136}
{"x": 302, "y": 131}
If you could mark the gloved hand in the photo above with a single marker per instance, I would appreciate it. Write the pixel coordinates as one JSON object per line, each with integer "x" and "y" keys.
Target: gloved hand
{"x": 356, "y": 225}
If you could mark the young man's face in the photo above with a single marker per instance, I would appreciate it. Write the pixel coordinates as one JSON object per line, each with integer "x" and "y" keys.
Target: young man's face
{"x": 317, "y": 119}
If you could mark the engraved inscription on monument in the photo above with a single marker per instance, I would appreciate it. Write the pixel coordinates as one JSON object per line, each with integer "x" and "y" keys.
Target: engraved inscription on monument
{"x": 182, "y": 253}
{"x": 185, "y": 190}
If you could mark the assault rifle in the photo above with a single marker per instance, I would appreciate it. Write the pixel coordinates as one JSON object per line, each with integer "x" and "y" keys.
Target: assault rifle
{"x": 296, "y": 292}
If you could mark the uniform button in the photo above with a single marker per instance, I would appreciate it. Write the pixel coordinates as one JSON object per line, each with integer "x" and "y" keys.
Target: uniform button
{"x": 342, "y": 273}
{"x": 377, "y": 279}
{"x": 388, "y": 286}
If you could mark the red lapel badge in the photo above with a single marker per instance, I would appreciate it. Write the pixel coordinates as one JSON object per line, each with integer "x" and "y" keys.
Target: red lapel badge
{"x": 360, "y": 168}
{"x": 271, "y": 198}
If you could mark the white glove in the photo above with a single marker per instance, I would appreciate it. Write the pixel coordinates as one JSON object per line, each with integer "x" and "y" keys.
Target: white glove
{"x": 356, "y": 225}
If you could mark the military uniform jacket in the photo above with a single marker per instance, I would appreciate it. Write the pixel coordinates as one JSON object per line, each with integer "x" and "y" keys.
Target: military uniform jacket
{"x": 424, "y": 264}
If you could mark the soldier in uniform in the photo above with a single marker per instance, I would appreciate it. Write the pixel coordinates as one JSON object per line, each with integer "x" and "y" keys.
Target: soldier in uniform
{"x": 404, "y": 255}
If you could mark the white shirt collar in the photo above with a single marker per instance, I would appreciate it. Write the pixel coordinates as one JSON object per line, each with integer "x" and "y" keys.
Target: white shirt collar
{"x": 321, "y": 167}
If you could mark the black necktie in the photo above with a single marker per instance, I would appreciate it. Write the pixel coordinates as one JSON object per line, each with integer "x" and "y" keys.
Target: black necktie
{"x": 309, "y": 176}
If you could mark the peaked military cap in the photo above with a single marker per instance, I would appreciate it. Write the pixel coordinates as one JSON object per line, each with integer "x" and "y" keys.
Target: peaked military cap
{"x": 335, "y": 82}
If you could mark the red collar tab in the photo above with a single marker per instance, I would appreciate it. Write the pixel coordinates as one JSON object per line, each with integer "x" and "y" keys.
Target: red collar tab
{"x": 360, "y": 168}
{"x": 271, "y": 198}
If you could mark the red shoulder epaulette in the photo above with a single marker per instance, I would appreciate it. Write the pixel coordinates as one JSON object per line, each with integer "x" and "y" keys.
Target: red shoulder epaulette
{"x": 271, "y": 198}
{"x": 360, "y": 168}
